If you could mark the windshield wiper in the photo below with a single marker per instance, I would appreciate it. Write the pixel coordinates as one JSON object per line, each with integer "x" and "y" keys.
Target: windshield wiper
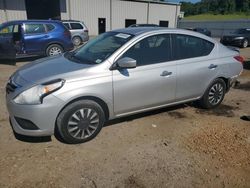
{"x": 71, "y": 56}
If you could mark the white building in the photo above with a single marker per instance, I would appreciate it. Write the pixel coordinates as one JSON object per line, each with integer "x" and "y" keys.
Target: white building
{"x": 98, "y": 15}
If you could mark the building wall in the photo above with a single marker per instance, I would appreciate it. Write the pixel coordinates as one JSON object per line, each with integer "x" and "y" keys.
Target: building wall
{"x": 122, "y": 10}
{"x": 2, "y": 13}
{"x": 159, "y": 12}
{"x": 64, "y": 6}
{"x": 15, "y": 10}
{"x": 89, "y": 11}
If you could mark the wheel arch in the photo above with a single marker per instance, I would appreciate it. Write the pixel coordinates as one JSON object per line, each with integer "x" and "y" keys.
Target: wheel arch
{"x": 99, "y": 101}
{"x": 227, "y": 82}
{"x": 53, "y": 42}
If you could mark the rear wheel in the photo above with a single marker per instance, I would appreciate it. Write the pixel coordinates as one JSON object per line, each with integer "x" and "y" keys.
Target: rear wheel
{"x": 80, "y": 121}
{"x": 214, "y": 95}
{"x": 77, "y": 41}
{"x": 245, "y": 43}
{"x": 54, "y": 49}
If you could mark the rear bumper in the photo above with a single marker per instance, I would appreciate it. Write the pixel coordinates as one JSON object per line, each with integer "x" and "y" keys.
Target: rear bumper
{"x": 69, "y": 47}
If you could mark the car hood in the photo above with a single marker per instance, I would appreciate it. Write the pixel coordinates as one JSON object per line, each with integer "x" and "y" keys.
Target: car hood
{"x": 47, "y": 69}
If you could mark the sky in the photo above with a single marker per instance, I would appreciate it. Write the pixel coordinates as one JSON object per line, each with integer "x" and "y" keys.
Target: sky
{"x": 193, "y": 1}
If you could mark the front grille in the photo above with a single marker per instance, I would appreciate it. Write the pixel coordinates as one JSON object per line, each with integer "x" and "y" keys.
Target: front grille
{"x": 10, "y": 87}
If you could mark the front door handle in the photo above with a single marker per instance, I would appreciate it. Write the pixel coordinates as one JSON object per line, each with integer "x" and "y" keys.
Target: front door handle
{"x": 212, "y": 66}
{"x": 166, "y": 73}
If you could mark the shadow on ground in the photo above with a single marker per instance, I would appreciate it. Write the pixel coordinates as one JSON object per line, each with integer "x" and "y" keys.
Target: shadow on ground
{"x": 31, "y": 139}
{"x": 7, "y": 62}
{"x": 221, "y": 110}
{"x": 169, "y": 110}
{"x": 246, "y": 65}
{"x": 21, "y": 60}
{"x": 244, "y": 86}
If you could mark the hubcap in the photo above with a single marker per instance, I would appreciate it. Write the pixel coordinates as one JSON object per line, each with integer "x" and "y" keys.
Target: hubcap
{"x": 55, "y": 51}
{"x": 245, "y": 43}
{"x": 215, "y": 94}
{"x": 83, "y": 123}
{"x": 77, "y": 41}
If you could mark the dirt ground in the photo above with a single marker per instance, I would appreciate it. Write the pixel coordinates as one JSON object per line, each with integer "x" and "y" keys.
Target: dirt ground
{"x": 181, "y": 146}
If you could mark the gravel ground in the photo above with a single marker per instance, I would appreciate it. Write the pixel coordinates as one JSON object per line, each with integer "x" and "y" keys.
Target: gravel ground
{"x": 181, "y": 146}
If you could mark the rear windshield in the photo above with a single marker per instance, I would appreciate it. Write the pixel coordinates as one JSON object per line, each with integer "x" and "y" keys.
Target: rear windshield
{"x": 100, "y": 48}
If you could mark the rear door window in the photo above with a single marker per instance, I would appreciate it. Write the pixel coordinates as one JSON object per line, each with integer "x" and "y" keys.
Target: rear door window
{"x": 7, "y": 30}
{"x": 66, "y": 25}
{"x": 76, "y": 26}
{"x": 185, "y": 46}
{"x": 34, "y": 28}
{"x": 50, "y": 27}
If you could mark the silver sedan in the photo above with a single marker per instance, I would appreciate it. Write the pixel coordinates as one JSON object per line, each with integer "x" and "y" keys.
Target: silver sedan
{"x": 119, "y": 73}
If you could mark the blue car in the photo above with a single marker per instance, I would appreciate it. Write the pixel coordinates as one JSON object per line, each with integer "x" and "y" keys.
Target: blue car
{"x": 25, "y": 38}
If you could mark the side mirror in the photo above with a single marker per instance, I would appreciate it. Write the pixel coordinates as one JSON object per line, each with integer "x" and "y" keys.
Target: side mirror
{"x": 126, "y": 63}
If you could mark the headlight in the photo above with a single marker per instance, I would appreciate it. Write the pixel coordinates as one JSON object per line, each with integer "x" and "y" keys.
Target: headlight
{"x": 239, "y": 38}
{"x": 36, "y": 94}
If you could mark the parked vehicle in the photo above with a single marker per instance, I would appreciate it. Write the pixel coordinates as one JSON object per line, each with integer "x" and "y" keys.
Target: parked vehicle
{"x": 203, "y": 31}
{"x": 117, "y": 74}
{"x": 78, "y": 30}
{"x": 240, "y": 38}
{"x": 144, "y": 25}
{"x": 33, "y": 38}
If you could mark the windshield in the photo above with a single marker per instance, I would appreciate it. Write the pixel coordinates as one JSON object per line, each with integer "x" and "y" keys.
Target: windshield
{"x": 100, "y": 48}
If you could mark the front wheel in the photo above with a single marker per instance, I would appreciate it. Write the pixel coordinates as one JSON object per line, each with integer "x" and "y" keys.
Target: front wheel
{"x": 80, "y": 121}
{"x": 214, "y": 95}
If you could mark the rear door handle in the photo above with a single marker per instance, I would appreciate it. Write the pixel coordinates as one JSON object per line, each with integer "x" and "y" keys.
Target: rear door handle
{"x": 166, "y": 73}
{"x": 212, "y": 66}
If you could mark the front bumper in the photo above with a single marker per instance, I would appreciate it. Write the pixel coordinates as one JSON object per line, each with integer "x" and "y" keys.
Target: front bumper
{"x": 43, "y": 116}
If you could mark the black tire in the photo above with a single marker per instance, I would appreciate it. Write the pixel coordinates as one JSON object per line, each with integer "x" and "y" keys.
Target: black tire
{"x": 213, "y": 96}
{"x": 76, "y": 41}
{"x": 245, "y": 43}
{"x": 80, "y": 109}
{"x": 54, "y": 49}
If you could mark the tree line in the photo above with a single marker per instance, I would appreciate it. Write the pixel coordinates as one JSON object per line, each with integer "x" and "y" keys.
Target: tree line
{"x": 216, "y": 7}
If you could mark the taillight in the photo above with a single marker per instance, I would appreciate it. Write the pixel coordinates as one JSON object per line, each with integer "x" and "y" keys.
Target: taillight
{"x": 66, "y": 33}
{"x": 86, "y": 31}
{"x": 239, "y": 59}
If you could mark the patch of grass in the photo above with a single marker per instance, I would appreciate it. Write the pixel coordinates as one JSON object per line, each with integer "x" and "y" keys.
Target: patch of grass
{"x": 213, "y": 17}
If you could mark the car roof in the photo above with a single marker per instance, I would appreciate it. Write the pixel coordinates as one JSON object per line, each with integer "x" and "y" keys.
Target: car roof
{"x": 141, "y": 30}
{"x": 136, "y": 31}
{"x": 70, "y": 21}
{"x": 31, "y": 21}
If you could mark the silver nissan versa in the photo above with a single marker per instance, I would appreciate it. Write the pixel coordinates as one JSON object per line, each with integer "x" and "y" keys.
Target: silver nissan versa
{"x": 118, "y": 73}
